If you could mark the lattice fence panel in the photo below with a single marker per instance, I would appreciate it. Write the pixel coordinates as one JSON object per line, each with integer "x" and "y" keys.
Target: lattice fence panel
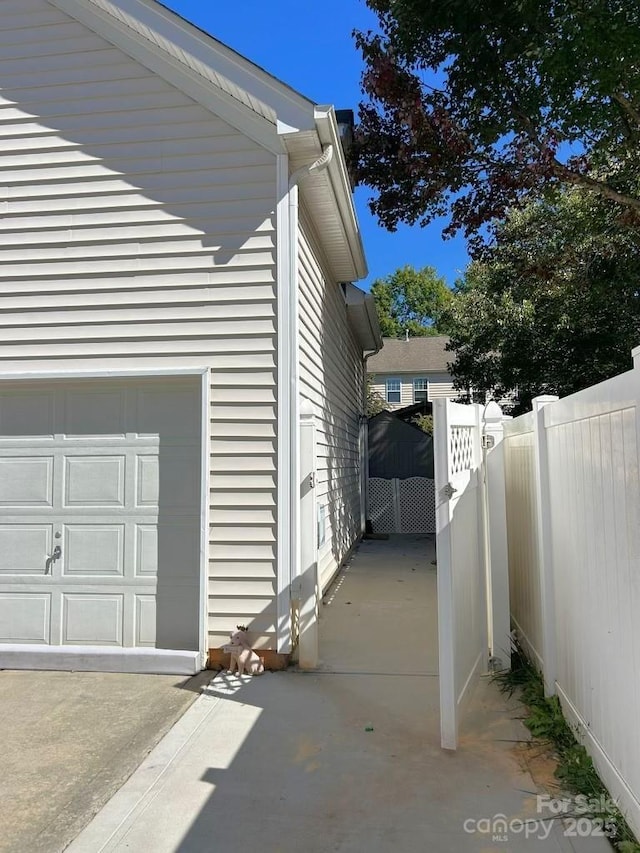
{"x": 417, "y": 505}
{"x": 461, "y": 446}
{"x": 402, "y": 506}
{"x": 382, "y": 512}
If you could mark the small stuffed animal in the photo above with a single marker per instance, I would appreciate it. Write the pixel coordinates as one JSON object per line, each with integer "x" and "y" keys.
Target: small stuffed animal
{"x": 242, "y": 655}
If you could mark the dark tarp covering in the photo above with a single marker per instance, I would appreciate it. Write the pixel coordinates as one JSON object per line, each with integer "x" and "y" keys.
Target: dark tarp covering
{"x": 398, "y": 450}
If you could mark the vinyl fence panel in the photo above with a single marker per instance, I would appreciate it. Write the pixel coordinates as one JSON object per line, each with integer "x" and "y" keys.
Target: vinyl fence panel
{"x": 573, "y": 511}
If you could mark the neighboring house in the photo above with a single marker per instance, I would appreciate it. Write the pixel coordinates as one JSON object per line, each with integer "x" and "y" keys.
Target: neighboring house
{"x": 171, "y": 289}
{"x": 411, "y": 371}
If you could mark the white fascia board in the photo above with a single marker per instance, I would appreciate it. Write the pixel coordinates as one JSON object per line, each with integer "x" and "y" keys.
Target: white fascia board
{"x": 330, "y": 135}
{"x": 374, "y": 320}
{"x": 171, "y": 63}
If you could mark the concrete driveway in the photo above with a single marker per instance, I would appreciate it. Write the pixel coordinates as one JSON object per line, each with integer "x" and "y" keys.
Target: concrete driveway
{"x": 70, "y": 740}
{"x": 343, "y": 759}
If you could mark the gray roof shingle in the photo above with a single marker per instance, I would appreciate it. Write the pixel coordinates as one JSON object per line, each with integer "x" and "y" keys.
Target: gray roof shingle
{"x": 417, "y": 355}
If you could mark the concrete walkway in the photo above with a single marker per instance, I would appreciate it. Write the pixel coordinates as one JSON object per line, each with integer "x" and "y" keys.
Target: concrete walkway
{"x": 345, "y": 759}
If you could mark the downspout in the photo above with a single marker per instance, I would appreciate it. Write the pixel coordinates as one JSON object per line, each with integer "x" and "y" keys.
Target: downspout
{"x": 293, "y": 522}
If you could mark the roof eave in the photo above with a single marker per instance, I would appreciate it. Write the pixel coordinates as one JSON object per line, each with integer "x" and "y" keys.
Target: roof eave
{"x": 247, "y": 97}
{"x": 330, "y": 135}
{"x": 363, "y": 318}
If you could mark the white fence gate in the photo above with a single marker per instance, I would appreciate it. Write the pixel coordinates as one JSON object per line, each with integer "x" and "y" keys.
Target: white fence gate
{"x": 573, "y": 497}
{"x": 473, "y": 613}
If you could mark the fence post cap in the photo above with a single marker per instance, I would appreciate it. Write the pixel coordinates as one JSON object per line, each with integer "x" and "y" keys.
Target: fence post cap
{"x": 492, "y": 412}
{"x": 542, "y": 400}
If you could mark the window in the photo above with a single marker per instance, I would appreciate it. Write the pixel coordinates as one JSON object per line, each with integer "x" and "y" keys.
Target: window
{"x": 393, "y": 390}
{"x": 420, "y": 390}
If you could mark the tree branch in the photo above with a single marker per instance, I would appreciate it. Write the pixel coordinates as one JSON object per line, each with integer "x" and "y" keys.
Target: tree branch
{"x": 564, "y": 173}
{"x": 627, "y": 106}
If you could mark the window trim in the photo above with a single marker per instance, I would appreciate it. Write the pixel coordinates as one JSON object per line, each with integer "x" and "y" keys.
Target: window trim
{"x": 398, "y": 390}
{"x": 425, "y": 390}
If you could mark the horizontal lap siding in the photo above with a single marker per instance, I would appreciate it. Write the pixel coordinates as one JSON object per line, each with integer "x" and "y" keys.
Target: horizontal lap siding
{"x": 440, "y": 385}
{"x": 331, "y": 379}
{"x": 137, "y": 231}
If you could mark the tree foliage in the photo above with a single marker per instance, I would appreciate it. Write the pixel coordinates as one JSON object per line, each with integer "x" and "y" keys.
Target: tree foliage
{"x": 374, "y": 404}
{"x": 474, "y": 106}
{"x": 553, "y": 305}
{"x": 411, "y": 300}
{"x": 424, "y": 422}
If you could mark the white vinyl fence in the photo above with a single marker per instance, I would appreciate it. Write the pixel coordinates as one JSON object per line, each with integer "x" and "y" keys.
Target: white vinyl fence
{"x": 572, "y": 487}
{"x": 473, "y": 584}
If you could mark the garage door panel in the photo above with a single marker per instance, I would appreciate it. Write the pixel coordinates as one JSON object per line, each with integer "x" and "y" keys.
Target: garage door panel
{"x": 177, "y": 414}
{"x": 23, "y": 414}
{"x": 145, "y": 630}
{"x": 180, "y": 480}
{"x": 94, "y": 481}
{"x": 146, "y": 550}
{"x": 94, "y": 413}
{"x": 147, "y": 481}
{"x": 25, "y": 617}
{"x": 94, "y": 549}
{"x": 24, "y": 548}
{"x": 125, "y": 508}
{"x": 26, "y": 481}
{"x": 92, "y": 619}
{"x": 178, "y": 547}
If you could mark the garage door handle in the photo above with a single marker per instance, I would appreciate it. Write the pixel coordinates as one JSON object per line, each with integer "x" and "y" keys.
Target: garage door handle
{"x": 57, "y": 553}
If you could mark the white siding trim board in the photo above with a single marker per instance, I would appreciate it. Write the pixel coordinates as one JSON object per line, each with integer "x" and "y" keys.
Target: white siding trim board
{"x": 287, "y": 391}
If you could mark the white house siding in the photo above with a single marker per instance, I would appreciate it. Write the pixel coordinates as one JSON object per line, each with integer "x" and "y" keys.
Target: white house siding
{"x": 138, "y": 232}
{"x": 331, "y": 377}
{"x": 440, "y": 385}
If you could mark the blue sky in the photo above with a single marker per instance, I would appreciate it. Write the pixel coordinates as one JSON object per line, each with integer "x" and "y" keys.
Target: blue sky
{"x": 310, "y": 47}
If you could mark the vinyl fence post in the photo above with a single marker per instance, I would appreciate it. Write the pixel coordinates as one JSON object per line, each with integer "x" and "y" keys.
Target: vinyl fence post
{"x": 545, "y": 549}
{"x": 498, "y": 607}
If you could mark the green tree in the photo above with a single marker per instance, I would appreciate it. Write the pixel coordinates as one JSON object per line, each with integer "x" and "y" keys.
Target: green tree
{"x": 411, "y": 300}
{"x": 424, "y": 422}
{"x": 553, "y": 305}
{"x": 374, "y": 403}
{"x": 473, "y": 107}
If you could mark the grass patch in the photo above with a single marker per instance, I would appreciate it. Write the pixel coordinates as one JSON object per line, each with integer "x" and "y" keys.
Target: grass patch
{"x": 575, "y": 769}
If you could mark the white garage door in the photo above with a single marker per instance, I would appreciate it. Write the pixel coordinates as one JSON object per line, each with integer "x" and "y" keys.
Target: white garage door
{"x": 100, "y": 513}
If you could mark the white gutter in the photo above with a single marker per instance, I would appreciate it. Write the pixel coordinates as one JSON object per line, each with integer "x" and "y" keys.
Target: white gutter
{"x": 317, "y": 166}
{"x": 341, "y": 185}
{"x": 289, "y": 533}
